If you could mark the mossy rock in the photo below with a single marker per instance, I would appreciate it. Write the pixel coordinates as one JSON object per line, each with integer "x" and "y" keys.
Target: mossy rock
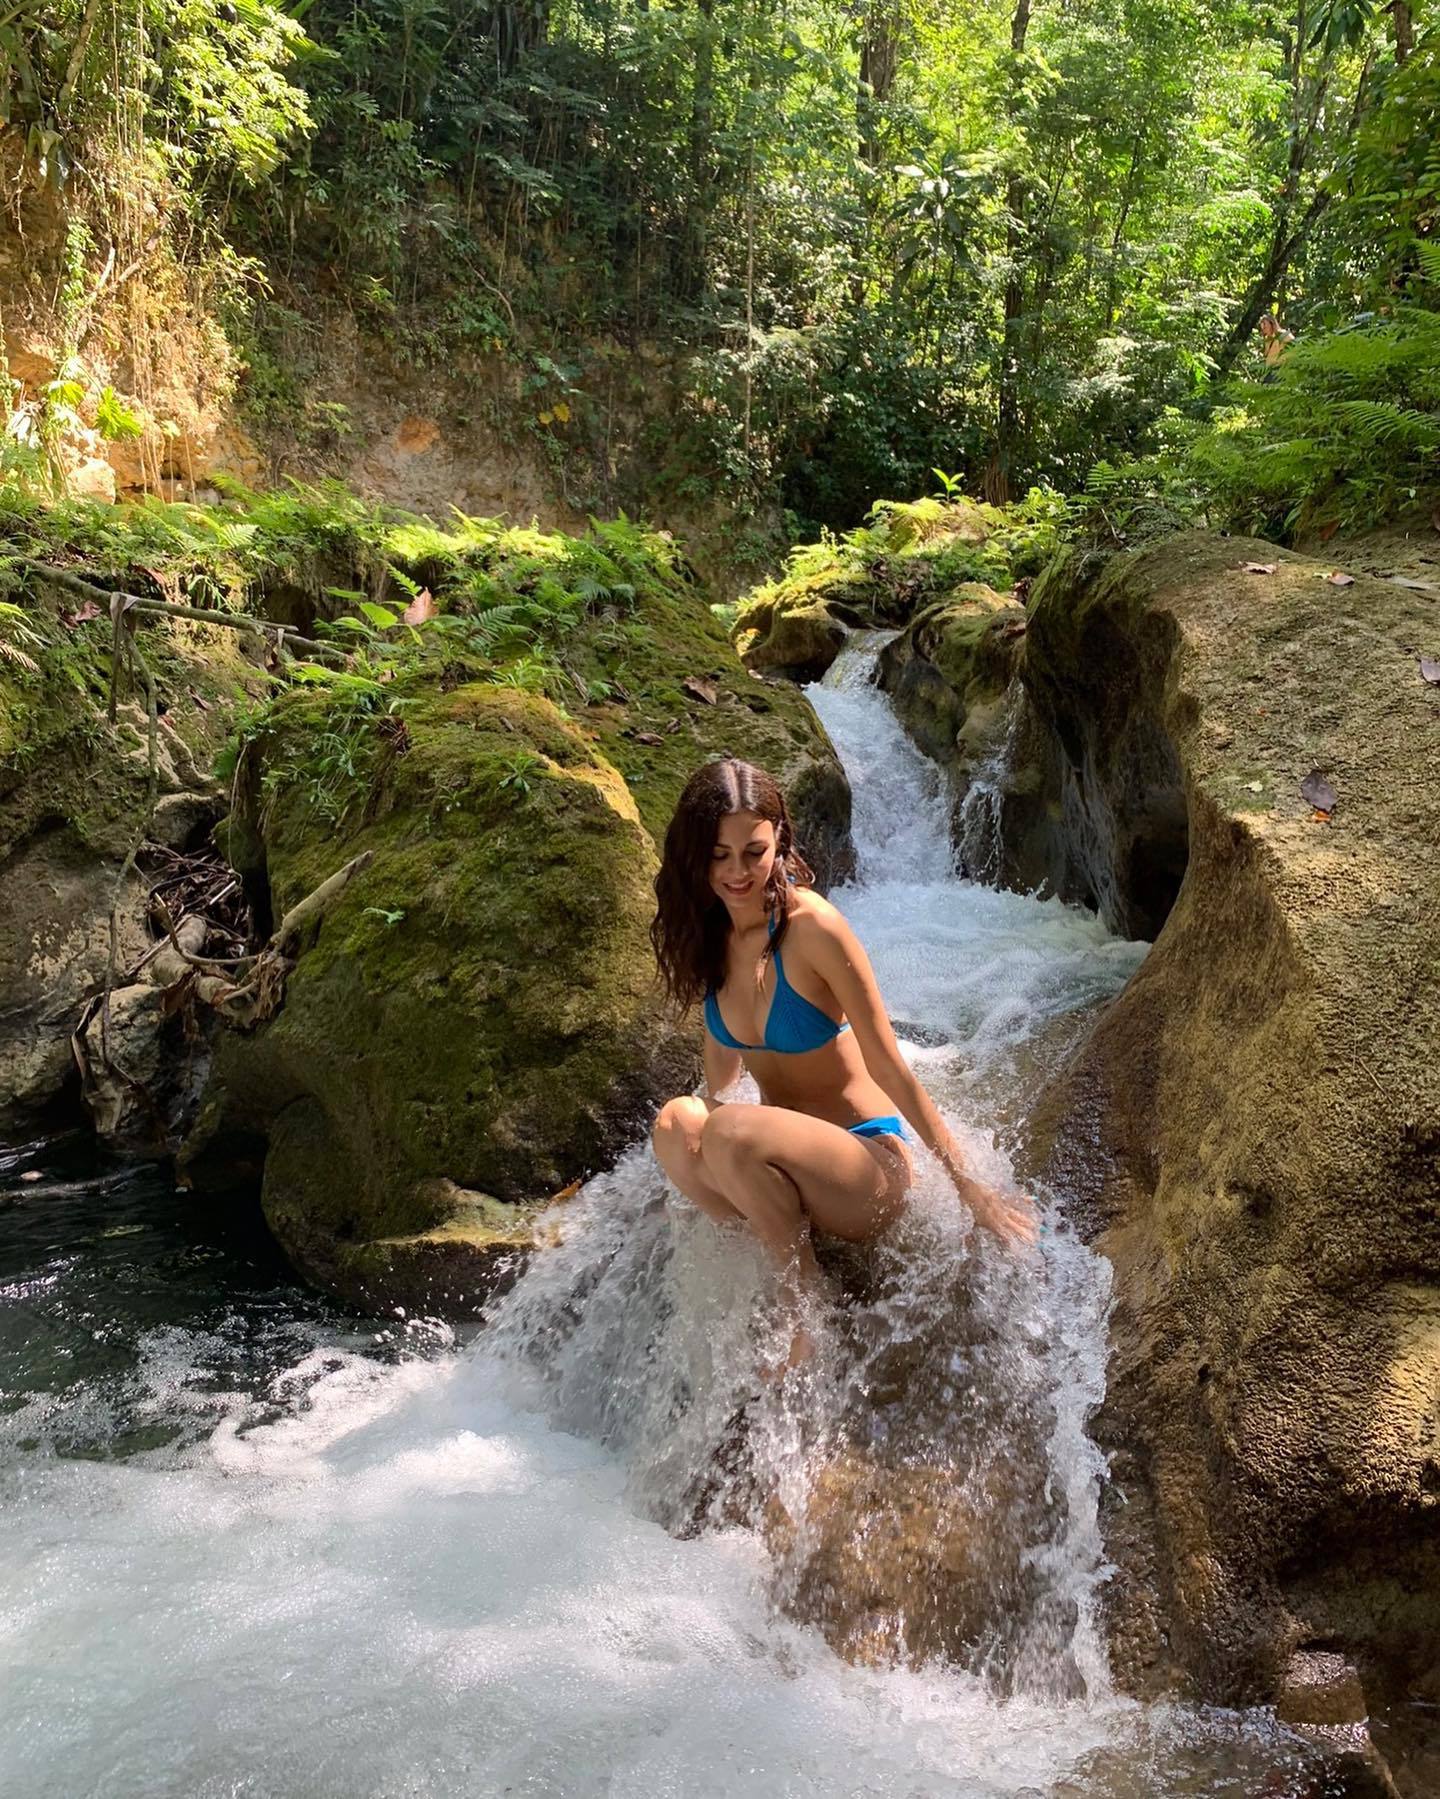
{"x": 955, "y": 657}
{"x": 950, "y": 674}
{"x": 73, "y": 793}
{"x": 479, "y": 1010}
{"x": 63, "y": 761}
{"x": 909, "y": 557}
{"x": 688, "y": 698}
{"x": 798, "y": 642}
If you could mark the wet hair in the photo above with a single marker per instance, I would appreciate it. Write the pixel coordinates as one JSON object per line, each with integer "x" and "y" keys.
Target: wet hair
{"x": 691, "y": 924}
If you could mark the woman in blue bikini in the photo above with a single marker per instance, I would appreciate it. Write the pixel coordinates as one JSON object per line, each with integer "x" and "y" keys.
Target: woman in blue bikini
{"x": 825, "y": 1149}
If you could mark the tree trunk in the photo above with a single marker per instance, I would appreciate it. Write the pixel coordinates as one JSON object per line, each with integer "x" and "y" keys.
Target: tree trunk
{"x": 1007, "y": 412}
{"x": 1404, "y": 30}
{"x": 879, "y": 55}
{"x": 1283, "y": 246}
{"x": 695, "y": 238}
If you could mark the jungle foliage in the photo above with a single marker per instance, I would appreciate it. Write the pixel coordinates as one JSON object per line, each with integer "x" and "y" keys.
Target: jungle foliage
{"x": 1024, "y": 241}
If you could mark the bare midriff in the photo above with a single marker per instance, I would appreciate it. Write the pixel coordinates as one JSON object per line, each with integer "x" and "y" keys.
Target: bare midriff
{"x": 831, "y": 1082}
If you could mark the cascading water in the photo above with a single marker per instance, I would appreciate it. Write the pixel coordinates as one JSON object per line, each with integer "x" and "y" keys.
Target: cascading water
{"x": 979, "y": 820}
{"x": 252, "y": 1551}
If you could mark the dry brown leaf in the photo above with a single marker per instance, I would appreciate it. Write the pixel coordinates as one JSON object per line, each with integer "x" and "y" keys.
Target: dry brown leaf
{"x": 702, "y": 689}
{"x": 1318, "y": 791}
{"x": 1413, "y": 585}
{"x": 1340, "y": 579}
{"x": 648, "y": 737}
{"x": 1319, "y": 817}
{"x": 565, "y": 1193}
{"x": 673, "y": 726}
{"x": 421, "y": 608}
{"x": 88, "y": 611}
{"x": 1326, "y": 532}
{"x": 1259, "y": 568}
{"x": 1430, "y": 670}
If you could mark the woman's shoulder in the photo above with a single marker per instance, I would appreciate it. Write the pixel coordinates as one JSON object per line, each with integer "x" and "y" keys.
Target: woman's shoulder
{"x": 813, "y": 916}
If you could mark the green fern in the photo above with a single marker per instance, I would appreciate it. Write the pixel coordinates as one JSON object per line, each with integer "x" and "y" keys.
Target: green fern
{"x": 1348, "y": 430}
{"x": 1376, "y": 422}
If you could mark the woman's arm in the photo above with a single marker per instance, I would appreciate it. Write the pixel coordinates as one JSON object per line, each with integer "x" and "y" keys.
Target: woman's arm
{"x": 841, "y": 960}
{"x": 722, "y": 1067}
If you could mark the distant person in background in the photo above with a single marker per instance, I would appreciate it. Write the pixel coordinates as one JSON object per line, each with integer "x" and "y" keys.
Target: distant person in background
{"x": 1275, "y": 341}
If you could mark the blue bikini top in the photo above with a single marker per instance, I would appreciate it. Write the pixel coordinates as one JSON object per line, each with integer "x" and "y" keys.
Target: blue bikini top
{"x": 793, "y": 1024}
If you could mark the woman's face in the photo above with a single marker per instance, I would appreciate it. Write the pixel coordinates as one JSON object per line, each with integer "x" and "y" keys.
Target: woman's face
{"x": 742, "y": 859}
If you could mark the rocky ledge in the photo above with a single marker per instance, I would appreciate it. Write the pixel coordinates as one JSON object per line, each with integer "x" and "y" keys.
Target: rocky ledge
{"x": 1251, "y": 1132}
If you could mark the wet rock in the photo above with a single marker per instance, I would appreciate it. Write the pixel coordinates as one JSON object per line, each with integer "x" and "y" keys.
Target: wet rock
{"x": 949, "y": 674}
{"x": 905, "y": 1563}
{"x": 55, "y": 901}
{"x": 1320, "y": 1687}
{"x": 142, "y": 1071}
{"x": 1251, "y": 1131}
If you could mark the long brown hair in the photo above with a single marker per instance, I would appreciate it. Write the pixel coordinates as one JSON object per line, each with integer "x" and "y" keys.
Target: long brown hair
{"x": 691, "y": 924}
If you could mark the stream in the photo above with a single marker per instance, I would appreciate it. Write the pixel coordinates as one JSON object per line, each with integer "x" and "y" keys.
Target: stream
{"x": 255, "y": 1546}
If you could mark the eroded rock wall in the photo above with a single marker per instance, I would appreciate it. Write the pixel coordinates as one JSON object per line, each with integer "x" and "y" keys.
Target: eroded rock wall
{"x": 1251, "y": 1133}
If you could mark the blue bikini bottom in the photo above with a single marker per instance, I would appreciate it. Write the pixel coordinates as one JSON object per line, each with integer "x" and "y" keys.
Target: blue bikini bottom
{"x": 889, "y": 1126}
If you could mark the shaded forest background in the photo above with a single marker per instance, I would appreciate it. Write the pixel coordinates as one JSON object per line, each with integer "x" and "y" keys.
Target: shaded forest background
{"x": 875, "y": 246}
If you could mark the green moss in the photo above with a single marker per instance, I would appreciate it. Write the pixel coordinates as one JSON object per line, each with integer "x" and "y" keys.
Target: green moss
{"x": 480, "y": 1004}
{"x": 60, "y": 757}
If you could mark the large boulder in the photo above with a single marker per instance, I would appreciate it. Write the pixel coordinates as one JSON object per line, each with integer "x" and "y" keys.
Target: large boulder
{"x": 795, "y": 637}
{"x": 1251, "y": 1132}
{"x": 474, "y": 1022}
{"x": 476, "y": 1018}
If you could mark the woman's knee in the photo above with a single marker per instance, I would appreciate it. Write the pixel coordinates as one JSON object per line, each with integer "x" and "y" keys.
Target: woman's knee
{"x": 729, "y": 1135}
{"x": 679, "y": 1123}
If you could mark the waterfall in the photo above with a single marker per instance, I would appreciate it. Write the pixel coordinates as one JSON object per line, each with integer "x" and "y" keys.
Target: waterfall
{"x": 978, "y": 825}
{"x": 253, "y": 1547}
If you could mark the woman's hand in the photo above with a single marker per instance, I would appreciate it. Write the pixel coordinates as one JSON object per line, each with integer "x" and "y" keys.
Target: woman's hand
{"x": 1013, "y": 1221}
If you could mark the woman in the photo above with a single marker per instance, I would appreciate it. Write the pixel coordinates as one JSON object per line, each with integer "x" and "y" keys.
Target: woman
{"x": 825, "y": 1148}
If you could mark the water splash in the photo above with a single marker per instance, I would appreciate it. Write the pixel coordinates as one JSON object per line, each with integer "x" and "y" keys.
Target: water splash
{"x": 925, "y": 1489}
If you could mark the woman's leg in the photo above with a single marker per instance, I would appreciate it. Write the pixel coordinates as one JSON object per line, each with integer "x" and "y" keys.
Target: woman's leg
{"x": 783, "y": 1172}
{"x": 676, "y": 1137}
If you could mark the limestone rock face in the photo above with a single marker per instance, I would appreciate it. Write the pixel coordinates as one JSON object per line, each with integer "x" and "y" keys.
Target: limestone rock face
{"x": 73, "y": 790}
{"x": 949, "y": 674}
{"x": 55, "y": 900}
{"x": 1251, "y": 1133}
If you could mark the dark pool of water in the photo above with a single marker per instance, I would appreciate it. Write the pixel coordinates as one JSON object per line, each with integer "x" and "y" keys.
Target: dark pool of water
{"x": 103, "y": 1266}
